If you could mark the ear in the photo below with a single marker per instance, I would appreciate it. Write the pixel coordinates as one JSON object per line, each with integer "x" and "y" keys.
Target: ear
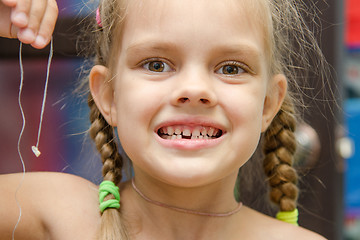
{"x": 274, "y": 98}
{"x": 102, "y": 91}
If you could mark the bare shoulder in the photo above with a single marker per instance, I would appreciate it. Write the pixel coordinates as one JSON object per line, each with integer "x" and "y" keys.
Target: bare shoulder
{"x": 47, "y": 185}
{"x": 272, "y": 228}
{"x": 54, "y": 205}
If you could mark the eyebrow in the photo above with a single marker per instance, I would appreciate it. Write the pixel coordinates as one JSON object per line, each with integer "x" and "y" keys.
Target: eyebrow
{"x": 161, "y": 46}
{"x": 240, "y": 49}
{"x": 251, "y": 55}
{"x": 237, "y": 49}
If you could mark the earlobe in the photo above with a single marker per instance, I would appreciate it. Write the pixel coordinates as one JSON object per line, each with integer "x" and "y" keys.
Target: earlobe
{"x": 274, "y": 99}
{"x": 102, "y": 92}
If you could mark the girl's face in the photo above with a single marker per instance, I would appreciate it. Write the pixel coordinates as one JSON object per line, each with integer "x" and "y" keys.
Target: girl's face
{"x": 191, "y": 89}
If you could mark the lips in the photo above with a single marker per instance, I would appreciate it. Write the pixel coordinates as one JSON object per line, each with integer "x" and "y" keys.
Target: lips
{"x": 174, "y": 132}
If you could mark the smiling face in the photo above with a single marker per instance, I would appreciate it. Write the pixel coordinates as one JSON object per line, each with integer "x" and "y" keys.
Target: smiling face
{"x": 190, "y": 89}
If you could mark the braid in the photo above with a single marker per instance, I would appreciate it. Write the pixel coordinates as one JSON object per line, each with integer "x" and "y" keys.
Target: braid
{"x": 112, "y": 224}
{"x": 103, "y": 135}
{"x": 279, "y": 149}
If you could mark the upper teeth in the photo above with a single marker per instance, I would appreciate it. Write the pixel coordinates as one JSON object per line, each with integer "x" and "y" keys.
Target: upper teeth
{"x": 199, "y": 132}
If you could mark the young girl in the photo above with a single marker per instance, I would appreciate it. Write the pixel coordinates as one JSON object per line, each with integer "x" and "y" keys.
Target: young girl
{"x": 190, "y": 87}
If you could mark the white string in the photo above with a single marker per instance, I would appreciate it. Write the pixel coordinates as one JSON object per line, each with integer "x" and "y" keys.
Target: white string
{"x": 19, "y": 140}
{"x": 34, "y": 148}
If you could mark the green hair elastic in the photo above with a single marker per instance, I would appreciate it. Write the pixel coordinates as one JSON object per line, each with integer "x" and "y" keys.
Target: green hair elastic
{"x": 289, "y": 217}
{"x": 106, "y": 188}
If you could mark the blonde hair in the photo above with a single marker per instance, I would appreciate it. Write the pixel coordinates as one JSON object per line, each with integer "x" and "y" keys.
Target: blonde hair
{"x": 290, "y": 45}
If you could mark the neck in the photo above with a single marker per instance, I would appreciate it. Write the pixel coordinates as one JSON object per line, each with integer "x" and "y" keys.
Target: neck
{"x": 185, "y": 210}
{"x": 215, "y": 203}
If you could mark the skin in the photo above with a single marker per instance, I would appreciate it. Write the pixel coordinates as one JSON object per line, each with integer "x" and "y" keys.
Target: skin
{"x": 194, "y": 86}
{"x": 31, "y": 21}
{"x": 157, "y": 98}
{"x": 190, "y": 90}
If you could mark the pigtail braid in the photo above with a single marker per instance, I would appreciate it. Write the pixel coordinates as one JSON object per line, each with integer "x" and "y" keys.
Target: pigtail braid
{"x": 279, "y": 149}
{"x": 102, "y": 133}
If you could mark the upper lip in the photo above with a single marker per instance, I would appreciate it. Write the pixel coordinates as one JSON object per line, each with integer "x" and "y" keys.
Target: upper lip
{"x": 191, "y": 122}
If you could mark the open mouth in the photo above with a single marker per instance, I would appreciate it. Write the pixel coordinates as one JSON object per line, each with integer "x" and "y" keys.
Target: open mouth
{"x": 186, "y": 132}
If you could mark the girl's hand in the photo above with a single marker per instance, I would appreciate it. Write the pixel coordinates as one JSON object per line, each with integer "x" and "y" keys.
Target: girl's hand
{"x": 31, "y": 21}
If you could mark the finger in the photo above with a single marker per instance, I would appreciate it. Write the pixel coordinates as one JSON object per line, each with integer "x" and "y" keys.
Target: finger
{"x": 5, "y": 23}
{"x": 14, "y": 31}
{"x": 9, "y": 3}
{"x": 36, "y": 14}
{"x": 26, "y": 35}
{"x": 47, "y": 25}
{"x": 20, "y": 14}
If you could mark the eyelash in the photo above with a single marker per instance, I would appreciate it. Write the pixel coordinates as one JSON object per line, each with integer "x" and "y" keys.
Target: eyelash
{"x": 146, "y": 64}
{"x": 241, "y": 67}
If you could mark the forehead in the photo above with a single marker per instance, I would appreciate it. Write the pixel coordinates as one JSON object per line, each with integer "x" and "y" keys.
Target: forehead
{"x": 253, "y": 12}
{"x": 207, "y": 21}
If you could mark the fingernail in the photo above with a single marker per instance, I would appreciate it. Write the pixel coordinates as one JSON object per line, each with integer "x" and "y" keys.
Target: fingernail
{"x": 40, "y": 41}
{"x": 20, "y": 18}
{"x": 27, "y": 35}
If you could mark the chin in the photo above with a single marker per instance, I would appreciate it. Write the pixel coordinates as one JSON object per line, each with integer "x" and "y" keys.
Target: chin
{"x": 189, "y": 177}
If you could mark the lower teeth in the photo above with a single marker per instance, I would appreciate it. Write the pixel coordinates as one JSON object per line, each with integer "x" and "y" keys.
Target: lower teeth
{"x": 175, "y": 136}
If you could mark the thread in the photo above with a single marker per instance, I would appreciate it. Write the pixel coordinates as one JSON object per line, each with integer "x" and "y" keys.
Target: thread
{"x": 19, "y": 140}
{"x": 34, "y": 148}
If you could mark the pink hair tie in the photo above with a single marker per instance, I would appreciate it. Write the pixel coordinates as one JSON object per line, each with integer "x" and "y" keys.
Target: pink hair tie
{"x": 98, "y": 18}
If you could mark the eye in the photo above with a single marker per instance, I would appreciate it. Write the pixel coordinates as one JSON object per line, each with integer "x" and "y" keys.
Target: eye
{"x": 232, "y": 68}
{"x": 157, "y": 66}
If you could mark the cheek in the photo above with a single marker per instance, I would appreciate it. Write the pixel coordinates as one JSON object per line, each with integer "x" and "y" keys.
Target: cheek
{"x": 135, "y": 99}
{"x": 136, "y": 103}
{"x": 244, "y": 106}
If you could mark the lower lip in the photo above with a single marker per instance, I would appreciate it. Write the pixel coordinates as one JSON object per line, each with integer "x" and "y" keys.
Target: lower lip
{"x": 189, "y": 144}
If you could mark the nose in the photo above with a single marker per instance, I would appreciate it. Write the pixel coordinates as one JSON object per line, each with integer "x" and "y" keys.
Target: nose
{"x": 194, "y": 90}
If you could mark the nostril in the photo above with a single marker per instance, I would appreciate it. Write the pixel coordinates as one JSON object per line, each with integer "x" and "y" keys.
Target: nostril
{"x": 183, "y": 100}
{"x": 205, "y": 101}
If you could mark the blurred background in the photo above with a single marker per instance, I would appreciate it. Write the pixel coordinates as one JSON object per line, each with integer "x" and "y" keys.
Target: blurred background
{"x": 329, "y": 156}
{"x": 64, "y": 143}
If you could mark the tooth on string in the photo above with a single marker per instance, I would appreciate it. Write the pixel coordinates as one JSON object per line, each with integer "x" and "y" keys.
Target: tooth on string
{"x": 36, "y": 151}
{"x": 178, "y": 136}
{"x": 173, "y": 137}
{"x": 35, "y": 148}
